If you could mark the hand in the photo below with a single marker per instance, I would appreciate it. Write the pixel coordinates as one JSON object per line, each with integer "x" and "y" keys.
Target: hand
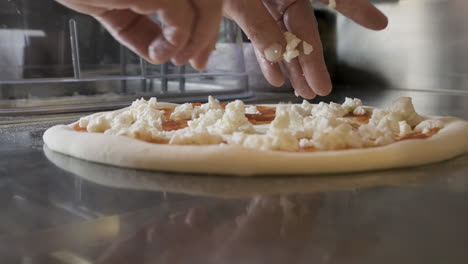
{"x": 264, "y": 22}
{"x": 189, "y": 34}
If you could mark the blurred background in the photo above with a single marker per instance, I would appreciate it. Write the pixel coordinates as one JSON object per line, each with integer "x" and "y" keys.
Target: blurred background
{"x": 51, "y": 56}
{"x": 58, "y": 209}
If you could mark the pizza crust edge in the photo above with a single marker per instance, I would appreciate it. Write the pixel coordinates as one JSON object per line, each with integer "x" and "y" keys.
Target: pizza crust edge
{"x": 127, "y": 152}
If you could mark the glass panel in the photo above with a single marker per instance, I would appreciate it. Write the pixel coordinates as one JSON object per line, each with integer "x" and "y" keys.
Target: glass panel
{"x": 53, "y": 57}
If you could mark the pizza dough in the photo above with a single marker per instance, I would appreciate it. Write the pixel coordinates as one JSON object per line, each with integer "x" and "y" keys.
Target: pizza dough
{"x": 231, "y": 159}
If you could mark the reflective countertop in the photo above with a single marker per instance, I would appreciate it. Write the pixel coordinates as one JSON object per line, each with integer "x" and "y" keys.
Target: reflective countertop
{"x": 58, "y": 209}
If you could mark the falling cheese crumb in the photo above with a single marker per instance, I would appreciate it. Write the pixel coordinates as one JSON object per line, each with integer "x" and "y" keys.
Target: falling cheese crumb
{"x": 307, "y": 47}
{"x": 291, "y": 46}
{"x": 332, "y": 4}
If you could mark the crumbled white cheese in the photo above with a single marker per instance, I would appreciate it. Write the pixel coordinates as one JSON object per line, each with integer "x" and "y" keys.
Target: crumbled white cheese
{"x": 350, "y": 104}
{"x": 360, "y": 110}
{"x": 306, "y": 107}
{"x": 141, "y": 120}
{"x": 404, "y": 107}
{"x": 95, "y": 123}
{"x": 307, "y": 48}
{"x": 182, "y": 112}
{"x": 405, "y": 129}
{"x": 278, "y": 140}
{"x": 289, "y": 118}
{"x": 252, "y": 110}
{"x": 213, "y": 104}
{"x": 233, "y": 120}
{"x": 321, "y": 126}
{"x": 427, "y": 125}
{"x": 331, "y": 110}
{"x": 342, "y": 136}
{"x": 195, "y": 138}
{"x": 292, "y": 42}
{"x": 206, "y": 120}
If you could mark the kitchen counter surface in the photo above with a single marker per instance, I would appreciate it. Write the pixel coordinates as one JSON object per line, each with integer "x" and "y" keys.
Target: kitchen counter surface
{"x": 57, "y": 209}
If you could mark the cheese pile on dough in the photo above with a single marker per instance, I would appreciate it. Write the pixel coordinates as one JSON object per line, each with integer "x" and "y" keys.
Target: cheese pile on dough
{"x": 322, "y": 126}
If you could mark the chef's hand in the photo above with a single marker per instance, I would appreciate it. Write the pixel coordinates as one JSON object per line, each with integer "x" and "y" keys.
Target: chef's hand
{"x": 264, "y": 22}
{"x": 189, "y": 34}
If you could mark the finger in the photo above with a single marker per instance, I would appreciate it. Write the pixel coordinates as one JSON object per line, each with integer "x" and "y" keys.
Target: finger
{"x": 277, "y": 7}
{"x": 260, "y": 27}
{"x": 140, "y": 7}
{"x": 82, "y": 8}
{"x": 271, "y": 71}
{"x": 313, "y": 65}
{"x": 178, "y": 16}
{"x": 361, "y": 12}
{"x": 208, "y": 13}
{"x": 298, "y": 80}
{"x": 200, "y": 60}
{"x": 135, "y": 31}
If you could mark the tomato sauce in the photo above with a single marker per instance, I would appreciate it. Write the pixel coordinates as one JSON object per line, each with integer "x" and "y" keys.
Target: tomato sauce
{"x": 77, "y": 127}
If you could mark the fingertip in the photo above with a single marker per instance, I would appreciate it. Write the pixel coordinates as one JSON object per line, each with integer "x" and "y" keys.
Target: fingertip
{"x": 324, "y": 89}
{"x": 198, "y": 64}
{"x": 178, "y": 62}
{"x": 276, "y": 81}
{"x": 160, "y": 50}
{"x": 307, "y": 94}
{"x": 383, "y": 23}
{"x": 376, "y": 20}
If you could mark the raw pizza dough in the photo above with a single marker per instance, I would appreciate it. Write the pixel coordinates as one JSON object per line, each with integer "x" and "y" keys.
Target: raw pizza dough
{"x": 122, "y": 151}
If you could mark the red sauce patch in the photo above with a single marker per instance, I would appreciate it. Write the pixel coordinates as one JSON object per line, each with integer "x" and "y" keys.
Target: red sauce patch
{"x": 259, "y": 119}
{"x": 266, "y": 116}
{"x": 363, "y": 119}
{"x": 77, "y": 127}
{"x": 266, "y": 110}
{"x": 167, "y": 112}
{"x": 308, "y": 149}
{"x": 170, "y": 125}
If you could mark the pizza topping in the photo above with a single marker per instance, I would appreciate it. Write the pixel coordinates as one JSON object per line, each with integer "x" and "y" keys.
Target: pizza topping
{"x": 359, "y": 111}
{"x": 195, "y": 138}
{"x": 287, "y": 127}
{"x": 233, "y": 120}
{"x": 427, "y": 126}
{"x": 206, "y": 120}
{"x": 404, "y": 107}
{"x": 277, "y": 140}
{"x": 182, "y": 112}
{"x": 331, "y": 110}
{"x": 350, "y": 105}
{"x": 173, "y": 125}
{"x": 213, "y": 104}
{"x": 252, "y": 110}
{"x": 342, "y": 136}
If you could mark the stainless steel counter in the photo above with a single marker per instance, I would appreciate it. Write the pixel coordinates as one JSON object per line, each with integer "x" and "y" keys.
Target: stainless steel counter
{"x": 57, "y": 209}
